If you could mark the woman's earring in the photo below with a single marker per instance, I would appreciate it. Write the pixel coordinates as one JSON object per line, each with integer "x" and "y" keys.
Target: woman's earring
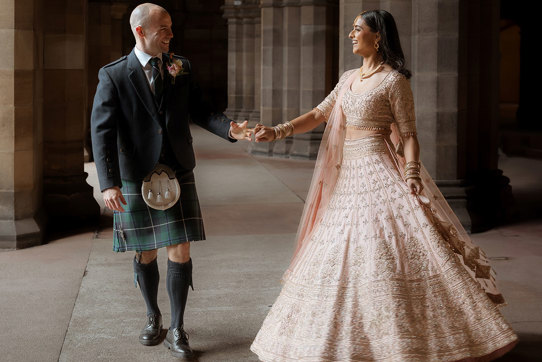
{"x": 377, "y": 46}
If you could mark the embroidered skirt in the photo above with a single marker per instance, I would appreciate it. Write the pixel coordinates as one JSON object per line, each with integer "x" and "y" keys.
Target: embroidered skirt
{"x": 141, "y": 228}
{"x": 367, "y": 287}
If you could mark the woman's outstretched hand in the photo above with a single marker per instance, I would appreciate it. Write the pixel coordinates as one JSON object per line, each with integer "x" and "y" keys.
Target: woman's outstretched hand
{"x": 415, "y": 186}
{"x": 239, "y": 131}
{"x": 263, "y": 133}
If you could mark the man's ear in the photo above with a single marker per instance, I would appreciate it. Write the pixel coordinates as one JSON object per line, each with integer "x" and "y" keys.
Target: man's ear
{"x": 139, "y": 31}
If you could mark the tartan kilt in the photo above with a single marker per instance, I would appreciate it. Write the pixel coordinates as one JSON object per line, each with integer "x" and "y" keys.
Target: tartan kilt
{"x": 141, "y": 228}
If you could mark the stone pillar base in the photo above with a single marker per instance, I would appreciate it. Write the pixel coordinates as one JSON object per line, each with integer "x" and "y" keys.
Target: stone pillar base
{"x": 282, "y": 148}
{"x": 69, "y": 202}
{"x": 484, "y": 203}
{"x": 243, "y": 115}
{"x": 455, "y": 193}
{"x": 306, "y": 145}
{"x": 20, "y": 234}
{"x": 490, "y": 200}
{"x": 254, "y": 117}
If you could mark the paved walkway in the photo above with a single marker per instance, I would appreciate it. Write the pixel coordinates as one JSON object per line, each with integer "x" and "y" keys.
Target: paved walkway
{"x": 74, "y": 299}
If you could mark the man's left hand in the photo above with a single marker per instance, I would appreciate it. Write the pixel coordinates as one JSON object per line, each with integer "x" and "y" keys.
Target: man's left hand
{"x": 239, "y": 131}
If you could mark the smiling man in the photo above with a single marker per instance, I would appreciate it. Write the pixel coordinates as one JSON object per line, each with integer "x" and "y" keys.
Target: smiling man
{"x": 141, "y": 140}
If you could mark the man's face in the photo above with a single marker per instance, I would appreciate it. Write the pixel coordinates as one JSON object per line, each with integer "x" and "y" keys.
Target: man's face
{"x": 157, "y": 33}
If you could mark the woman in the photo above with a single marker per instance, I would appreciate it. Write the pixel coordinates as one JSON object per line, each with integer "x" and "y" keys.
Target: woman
{"x": 383, "y": 269}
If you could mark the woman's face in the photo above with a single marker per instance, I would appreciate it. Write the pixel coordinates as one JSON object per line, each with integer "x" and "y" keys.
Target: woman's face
{"x": 363, "y": 38}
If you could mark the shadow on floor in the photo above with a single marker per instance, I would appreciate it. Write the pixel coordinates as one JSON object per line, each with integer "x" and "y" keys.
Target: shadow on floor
{"x": 528, "y": 349}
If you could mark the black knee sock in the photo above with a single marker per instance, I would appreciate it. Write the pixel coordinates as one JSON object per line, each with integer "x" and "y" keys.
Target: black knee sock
{"x": 148, "y": 277}
{"x": 179, "y": 279}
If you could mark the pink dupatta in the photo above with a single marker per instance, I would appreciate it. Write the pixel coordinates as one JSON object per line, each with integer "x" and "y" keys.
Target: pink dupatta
{"x": 326, "y": 173}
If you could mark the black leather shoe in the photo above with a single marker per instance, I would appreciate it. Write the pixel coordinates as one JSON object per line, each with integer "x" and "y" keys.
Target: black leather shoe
{"x": 177, "y": 342}
{"x": 150, "y": 334}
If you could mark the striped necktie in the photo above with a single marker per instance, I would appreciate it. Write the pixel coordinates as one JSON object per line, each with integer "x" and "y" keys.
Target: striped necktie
{"x": 157, "y": 79}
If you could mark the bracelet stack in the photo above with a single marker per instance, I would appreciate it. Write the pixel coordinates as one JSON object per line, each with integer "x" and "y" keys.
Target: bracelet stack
{"x": 412, "y": 170}
{"x": 283, "y": 130}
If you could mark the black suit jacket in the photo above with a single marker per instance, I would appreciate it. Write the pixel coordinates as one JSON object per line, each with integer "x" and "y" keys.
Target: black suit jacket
{"x": 127, "y": 125}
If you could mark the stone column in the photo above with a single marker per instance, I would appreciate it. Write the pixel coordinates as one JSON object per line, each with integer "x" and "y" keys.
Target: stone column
{"x": 317, "y": 67}
{"x": 68, "y": 199}
{"x": 104, "y": 45}
{"x": 291, "y": 71}
{"x": 20, "y": 124}
{"x": 272, "y": 67}
{"x": 402, "y": 13}
{"x": 256, "y": 70}
{"x": 348, "y": 11}
{"x": 247, "y": 13}
{"x": 435, "y": 65}
{"x": 528, "y": 114}
{"x": 489, "y": 193}
{"x": 235, "y": 58}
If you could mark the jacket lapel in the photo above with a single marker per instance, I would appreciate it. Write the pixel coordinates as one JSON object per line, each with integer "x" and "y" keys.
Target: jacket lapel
{"x": 141, "y": 85}
{"x": 168, "y": 86}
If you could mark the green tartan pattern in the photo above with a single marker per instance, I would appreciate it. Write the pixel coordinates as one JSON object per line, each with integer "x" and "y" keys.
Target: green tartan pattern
{"x": 141, "y": 228}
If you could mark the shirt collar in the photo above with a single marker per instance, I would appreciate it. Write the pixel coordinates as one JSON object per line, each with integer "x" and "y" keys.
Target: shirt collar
{"x": 144, "y": 57}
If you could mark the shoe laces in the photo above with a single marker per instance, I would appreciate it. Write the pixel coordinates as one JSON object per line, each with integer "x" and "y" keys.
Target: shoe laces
{"x": 153, "y": 320}
{"x": 181, "y": 333}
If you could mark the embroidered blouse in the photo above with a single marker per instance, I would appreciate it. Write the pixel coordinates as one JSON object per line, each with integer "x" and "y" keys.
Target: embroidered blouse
{"x": 390, "y": 101}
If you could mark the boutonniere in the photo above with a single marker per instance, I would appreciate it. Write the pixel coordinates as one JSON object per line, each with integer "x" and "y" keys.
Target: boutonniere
{"x": 175, "y": 67}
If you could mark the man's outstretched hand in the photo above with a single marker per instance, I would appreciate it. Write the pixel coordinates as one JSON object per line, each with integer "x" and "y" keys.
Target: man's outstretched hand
{"x": 113, "y": 198}
{"x": 239, "y": 131}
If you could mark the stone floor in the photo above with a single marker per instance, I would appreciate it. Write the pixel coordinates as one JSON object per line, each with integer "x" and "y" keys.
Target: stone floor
{"x": 73, "y": 299}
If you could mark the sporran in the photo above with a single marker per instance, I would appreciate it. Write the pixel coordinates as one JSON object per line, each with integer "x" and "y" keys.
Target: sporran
{"x": 160, "y": 189}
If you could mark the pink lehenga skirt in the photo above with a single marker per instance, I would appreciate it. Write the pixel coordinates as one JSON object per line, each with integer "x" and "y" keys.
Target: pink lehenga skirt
{"x": 367, "y": 287}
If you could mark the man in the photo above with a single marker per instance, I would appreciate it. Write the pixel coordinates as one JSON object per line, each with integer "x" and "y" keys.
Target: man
{"x": 140, "y": 120}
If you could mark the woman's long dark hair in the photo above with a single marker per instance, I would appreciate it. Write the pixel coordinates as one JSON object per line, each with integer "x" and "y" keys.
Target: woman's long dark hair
{"x": 390, "y": 46}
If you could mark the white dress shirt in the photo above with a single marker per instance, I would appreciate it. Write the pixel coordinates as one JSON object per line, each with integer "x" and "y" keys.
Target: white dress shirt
{"x": 144, "y": 59}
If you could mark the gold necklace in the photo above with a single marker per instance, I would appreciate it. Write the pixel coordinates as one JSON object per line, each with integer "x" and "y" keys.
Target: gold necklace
{"x": 363, "y": 75}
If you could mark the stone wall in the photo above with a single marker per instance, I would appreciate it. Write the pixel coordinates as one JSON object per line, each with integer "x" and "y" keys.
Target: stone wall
{"x": 43, "y": 100}
{"x": 68, "y": 199}
{"x": 20, "y": 123}
{"x": 280, "y": 65}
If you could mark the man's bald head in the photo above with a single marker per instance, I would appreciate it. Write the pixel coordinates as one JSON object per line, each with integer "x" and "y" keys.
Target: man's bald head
{"x": 151, "y": 25}
{"x": 142, "y": 14}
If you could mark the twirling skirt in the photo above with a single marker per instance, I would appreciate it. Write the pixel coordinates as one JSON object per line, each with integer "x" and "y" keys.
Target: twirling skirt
{"x": 368, "y": 286}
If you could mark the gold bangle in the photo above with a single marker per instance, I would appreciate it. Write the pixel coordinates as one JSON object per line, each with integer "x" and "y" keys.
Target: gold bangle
{"x": 283, "y": 130}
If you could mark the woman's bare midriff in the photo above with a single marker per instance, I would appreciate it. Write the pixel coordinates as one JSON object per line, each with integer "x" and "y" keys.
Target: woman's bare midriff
{"x": 353, "y": 133}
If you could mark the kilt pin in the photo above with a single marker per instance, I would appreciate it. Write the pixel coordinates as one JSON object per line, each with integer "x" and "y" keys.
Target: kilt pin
{"x": 136, "y": 125}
